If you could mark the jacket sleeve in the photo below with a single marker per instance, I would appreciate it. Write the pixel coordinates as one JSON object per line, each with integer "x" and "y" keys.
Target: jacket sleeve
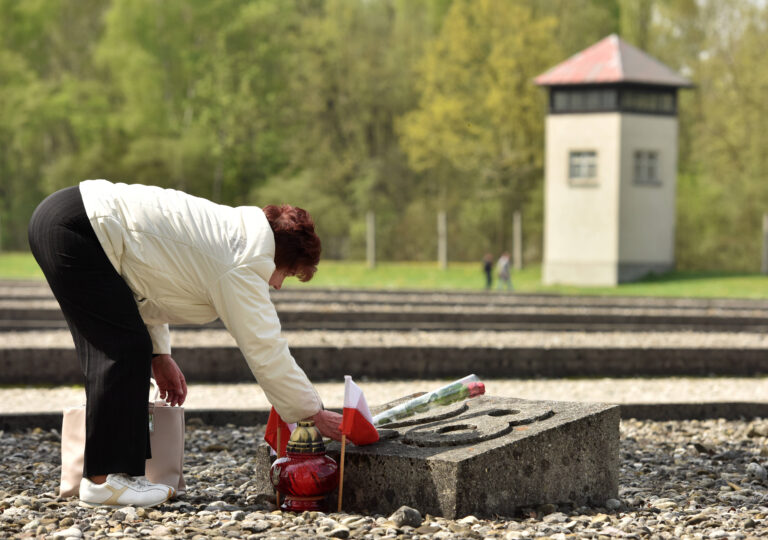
{"x": 161, "y": 338}
{"x": 241, "y": 299}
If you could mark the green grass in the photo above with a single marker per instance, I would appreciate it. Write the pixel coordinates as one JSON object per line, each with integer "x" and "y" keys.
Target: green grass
{"x": 679, "y": 284}
{"x": 469, "y": 276}
{"x": 19, "y": 266}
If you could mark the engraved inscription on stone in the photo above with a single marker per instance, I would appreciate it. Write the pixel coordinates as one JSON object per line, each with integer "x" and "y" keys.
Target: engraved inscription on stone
{"x": 479, "y": 420}
{"x": 439, "y": 413}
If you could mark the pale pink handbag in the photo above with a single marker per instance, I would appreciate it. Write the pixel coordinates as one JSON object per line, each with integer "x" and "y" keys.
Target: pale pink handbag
{"x": 166, "y": 436}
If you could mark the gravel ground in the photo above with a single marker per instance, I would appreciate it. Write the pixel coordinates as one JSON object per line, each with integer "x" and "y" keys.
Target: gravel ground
{"x": 678, "y": 480}
{"x": 476, "y": 338}
{"x": 607, "y": 390}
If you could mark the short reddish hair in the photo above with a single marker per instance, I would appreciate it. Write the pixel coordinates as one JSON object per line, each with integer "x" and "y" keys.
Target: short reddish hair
{"x": 297, "y": 247}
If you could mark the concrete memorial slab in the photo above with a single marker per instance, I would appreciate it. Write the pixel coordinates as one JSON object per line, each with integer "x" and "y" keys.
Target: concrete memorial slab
{"x": 484, "y": 456}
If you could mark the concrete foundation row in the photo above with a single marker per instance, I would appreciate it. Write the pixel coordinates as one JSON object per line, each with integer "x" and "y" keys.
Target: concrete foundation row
{"x": 19, "y": 319}
{"x": 226, "y": 364}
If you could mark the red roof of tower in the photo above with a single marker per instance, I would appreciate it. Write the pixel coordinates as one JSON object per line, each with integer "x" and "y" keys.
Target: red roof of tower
{"x": 611, "y": 60}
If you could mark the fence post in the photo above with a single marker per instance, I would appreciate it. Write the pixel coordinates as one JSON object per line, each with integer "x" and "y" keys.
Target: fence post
{"x": 370, "y": 237}
{"x": 517, "y": 234}
{"x": 442, "y": 240}
{"x": 764, "y": 265}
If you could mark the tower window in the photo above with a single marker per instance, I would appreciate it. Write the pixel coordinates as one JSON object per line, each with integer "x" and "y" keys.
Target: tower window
{"x": 582, "y": 167}
{"x": 647, "y": 167}
{"x": 586, "y": 100}
{"x": 648, "y": 101}
{"x": 633, "y": 98}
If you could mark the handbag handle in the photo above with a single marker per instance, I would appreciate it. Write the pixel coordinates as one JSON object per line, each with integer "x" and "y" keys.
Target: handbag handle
{"x": 157, "y": 389}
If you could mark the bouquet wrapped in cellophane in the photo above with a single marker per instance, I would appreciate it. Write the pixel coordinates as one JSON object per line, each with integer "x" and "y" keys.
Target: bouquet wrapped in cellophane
{"x": 468, "y": 387}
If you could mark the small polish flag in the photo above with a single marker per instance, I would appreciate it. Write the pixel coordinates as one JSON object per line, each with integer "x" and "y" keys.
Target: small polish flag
{"x": 275, "y": 423}
{"x": 357, "y": 421}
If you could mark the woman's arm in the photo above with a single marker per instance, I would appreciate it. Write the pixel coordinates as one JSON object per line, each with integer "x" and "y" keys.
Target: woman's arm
{"x": 241, "y": 299}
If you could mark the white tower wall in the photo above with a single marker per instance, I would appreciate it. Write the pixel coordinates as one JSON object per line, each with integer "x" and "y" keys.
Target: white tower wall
{"x": 647, "y": 210}
{"x": 581, "y": 233}
{"x": 615, "y": 228}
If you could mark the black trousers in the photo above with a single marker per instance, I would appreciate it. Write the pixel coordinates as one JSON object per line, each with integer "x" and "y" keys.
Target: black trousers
{"x": 111, "y": 339}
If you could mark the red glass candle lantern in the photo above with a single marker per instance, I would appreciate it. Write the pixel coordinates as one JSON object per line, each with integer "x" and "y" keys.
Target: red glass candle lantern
{"x": 305, "y": 475}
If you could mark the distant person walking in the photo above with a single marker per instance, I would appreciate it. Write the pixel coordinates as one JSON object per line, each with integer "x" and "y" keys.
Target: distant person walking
{"x": 488, "y": 270}
{"x": 503, "y": 271}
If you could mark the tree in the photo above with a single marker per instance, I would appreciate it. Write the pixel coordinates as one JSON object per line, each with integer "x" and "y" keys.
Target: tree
{"x": 726, "y": 172}
{"x": 51, "y": 103}
{"x": 580, "y": 23}
{"x": 635, "y": 22}
{"x": 478, "y": 131}
{"x": 352, "y": 69}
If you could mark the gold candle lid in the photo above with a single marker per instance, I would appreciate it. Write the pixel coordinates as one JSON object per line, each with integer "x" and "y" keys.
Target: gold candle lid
{"x": 306, "y": 439}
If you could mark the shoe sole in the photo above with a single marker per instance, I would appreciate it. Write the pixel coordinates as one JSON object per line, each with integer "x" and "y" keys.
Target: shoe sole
{"x": 87, "y": 504}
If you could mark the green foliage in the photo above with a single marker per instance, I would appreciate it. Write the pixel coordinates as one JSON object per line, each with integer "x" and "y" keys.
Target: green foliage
{"x": 197, "y": 92}
{"x": 477, "y": 134}
{"x": 401, "y": 107}
{"x": 50, "y": 104}
{"x": 635, "y": 21}
{"x": 722, "y": 194}
{"x": 351, "y": 78}
{"x": 580, "y": 23}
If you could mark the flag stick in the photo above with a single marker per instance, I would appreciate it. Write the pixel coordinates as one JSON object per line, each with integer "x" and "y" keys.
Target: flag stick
{"x": 341, "y": 471}
{"x": 277, "y": 493}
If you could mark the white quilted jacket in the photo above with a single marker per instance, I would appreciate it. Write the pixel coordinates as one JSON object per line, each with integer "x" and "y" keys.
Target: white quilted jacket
{"x": 188, "y": 260}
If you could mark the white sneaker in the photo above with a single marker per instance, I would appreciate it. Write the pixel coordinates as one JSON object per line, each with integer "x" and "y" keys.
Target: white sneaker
{"x": 123, "y": 490}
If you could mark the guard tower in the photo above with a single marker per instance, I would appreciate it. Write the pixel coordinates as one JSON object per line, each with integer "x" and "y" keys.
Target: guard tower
{"x": 611, "y": 166}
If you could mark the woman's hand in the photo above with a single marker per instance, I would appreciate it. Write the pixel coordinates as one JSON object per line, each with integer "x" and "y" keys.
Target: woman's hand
{"x": 170, "y": 379}
{"x": 328, "y": 423}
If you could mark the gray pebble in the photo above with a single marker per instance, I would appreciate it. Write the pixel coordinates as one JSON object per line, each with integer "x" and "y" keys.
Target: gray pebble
{"x": 405, "y": 515}
{"x": 256, "y": 526}
{"x": 756, "y": 470}
{"x": 160, "y": 530}
{"x": 34, "y": 524}
{"x": 330, "y": 523}
{"x": 72, "y": 532}
{"x": 556, "y": 517}
{"x": 340, "y": 532}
